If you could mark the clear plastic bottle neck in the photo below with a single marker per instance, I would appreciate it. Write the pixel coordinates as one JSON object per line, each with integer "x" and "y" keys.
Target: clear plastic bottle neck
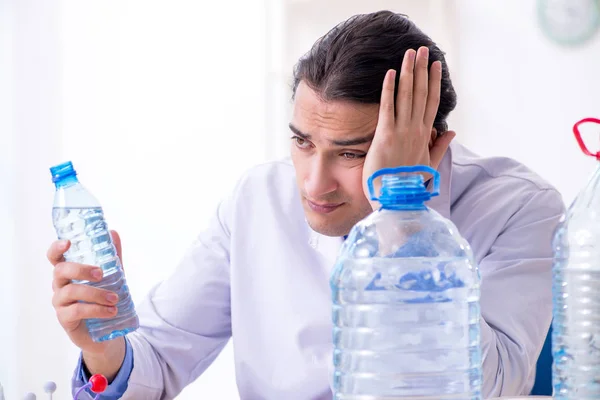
{"x": 66, "y": 182}
{"x": 589, "y": 197}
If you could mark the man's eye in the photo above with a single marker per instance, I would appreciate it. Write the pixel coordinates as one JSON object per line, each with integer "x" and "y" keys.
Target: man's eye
{"x": 352, "y": 156}
{"x": 301, "y": 143}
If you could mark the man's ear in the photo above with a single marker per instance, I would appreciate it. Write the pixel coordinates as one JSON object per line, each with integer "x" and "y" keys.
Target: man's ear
{"x": 432, "y": 137}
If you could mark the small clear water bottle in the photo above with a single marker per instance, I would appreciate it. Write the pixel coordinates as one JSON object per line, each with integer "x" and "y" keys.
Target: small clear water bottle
{"x": 406, "y": 300}
{"x": 576, "y": 292}
{"x": 78, "y": 217}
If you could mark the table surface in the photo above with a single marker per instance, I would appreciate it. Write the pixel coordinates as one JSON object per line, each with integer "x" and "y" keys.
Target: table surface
{"x": 521, "y": 398}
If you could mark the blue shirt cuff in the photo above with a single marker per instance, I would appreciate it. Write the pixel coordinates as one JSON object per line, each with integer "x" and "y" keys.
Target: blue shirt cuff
{"x": 118, "y": 386}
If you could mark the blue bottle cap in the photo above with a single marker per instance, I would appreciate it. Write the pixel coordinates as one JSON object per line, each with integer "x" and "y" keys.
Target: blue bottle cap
{"x": 404, "y": 191}
{"x": 62, "y": 171}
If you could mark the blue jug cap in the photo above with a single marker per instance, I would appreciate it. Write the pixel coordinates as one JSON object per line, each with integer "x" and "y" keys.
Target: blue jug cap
{"x": 404, "y": 191}
{"x": 62, "y": 171}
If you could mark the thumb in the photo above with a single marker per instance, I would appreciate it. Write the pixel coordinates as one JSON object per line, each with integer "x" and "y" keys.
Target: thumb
{"x": 117, "y": 242}
{"x": 439, "y": 148}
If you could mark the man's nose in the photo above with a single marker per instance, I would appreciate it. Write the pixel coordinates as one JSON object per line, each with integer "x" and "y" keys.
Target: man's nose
{"x": 320, "y": 180}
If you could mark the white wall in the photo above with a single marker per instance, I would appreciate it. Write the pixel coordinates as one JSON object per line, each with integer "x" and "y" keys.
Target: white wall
{"x": 520, "y": 94}
{"x": 29, "y": 134}
{"x": 173, "y": 95}
{"x": 8, "y": 316}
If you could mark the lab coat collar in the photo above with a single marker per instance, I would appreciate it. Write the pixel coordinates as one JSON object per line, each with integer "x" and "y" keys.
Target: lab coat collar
{"x": 329, "y": 246}
{"x": 441, "y": 203}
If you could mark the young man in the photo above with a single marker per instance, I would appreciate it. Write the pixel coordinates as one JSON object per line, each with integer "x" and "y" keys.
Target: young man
{"x": 259, "y": 275}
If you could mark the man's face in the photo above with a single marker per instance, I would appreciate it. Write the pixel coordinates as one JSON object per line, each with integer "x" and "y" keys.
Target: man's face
{"x": 328, "y": 148}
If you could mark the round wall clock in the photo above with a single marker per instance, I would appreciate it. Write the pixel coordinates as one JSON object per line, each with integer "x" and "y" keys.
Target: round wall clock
{"x": 569, "y": 22}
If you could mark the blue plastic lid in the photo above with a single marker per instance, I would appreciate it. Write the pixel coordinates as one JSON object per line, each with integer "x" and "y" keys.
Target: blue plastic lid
{"x": 62, "y": 171}
{"x": 404, "y": 191}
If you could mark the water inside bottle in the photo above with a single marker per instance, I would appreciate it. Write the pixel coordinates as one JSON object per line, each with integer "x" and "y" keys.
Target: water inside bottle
{"x": 91, "y": 244}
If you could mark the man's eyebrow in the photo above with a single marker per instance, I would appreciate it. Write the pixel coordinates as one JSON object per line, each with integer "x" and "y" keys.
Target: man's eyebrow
{"x": 298, "y": 132}
{"x": 355, "y": 141}
{"x": 348, "y": 142}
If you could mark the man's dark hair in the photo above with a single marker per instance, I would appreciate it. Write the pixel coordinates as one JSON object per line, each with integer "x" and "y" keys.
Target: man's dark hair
{"x": 351, "y": 60}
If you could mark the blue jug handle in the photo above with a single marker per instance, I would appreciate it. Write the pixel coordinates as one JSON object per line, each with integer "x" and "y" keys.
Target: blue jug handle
{"x": 398, "y": 170}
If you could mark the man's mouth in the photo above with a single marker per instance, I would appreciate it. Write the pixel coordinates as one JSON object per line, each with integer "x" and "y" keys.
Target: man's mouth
{"x": 323, "y": 208}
